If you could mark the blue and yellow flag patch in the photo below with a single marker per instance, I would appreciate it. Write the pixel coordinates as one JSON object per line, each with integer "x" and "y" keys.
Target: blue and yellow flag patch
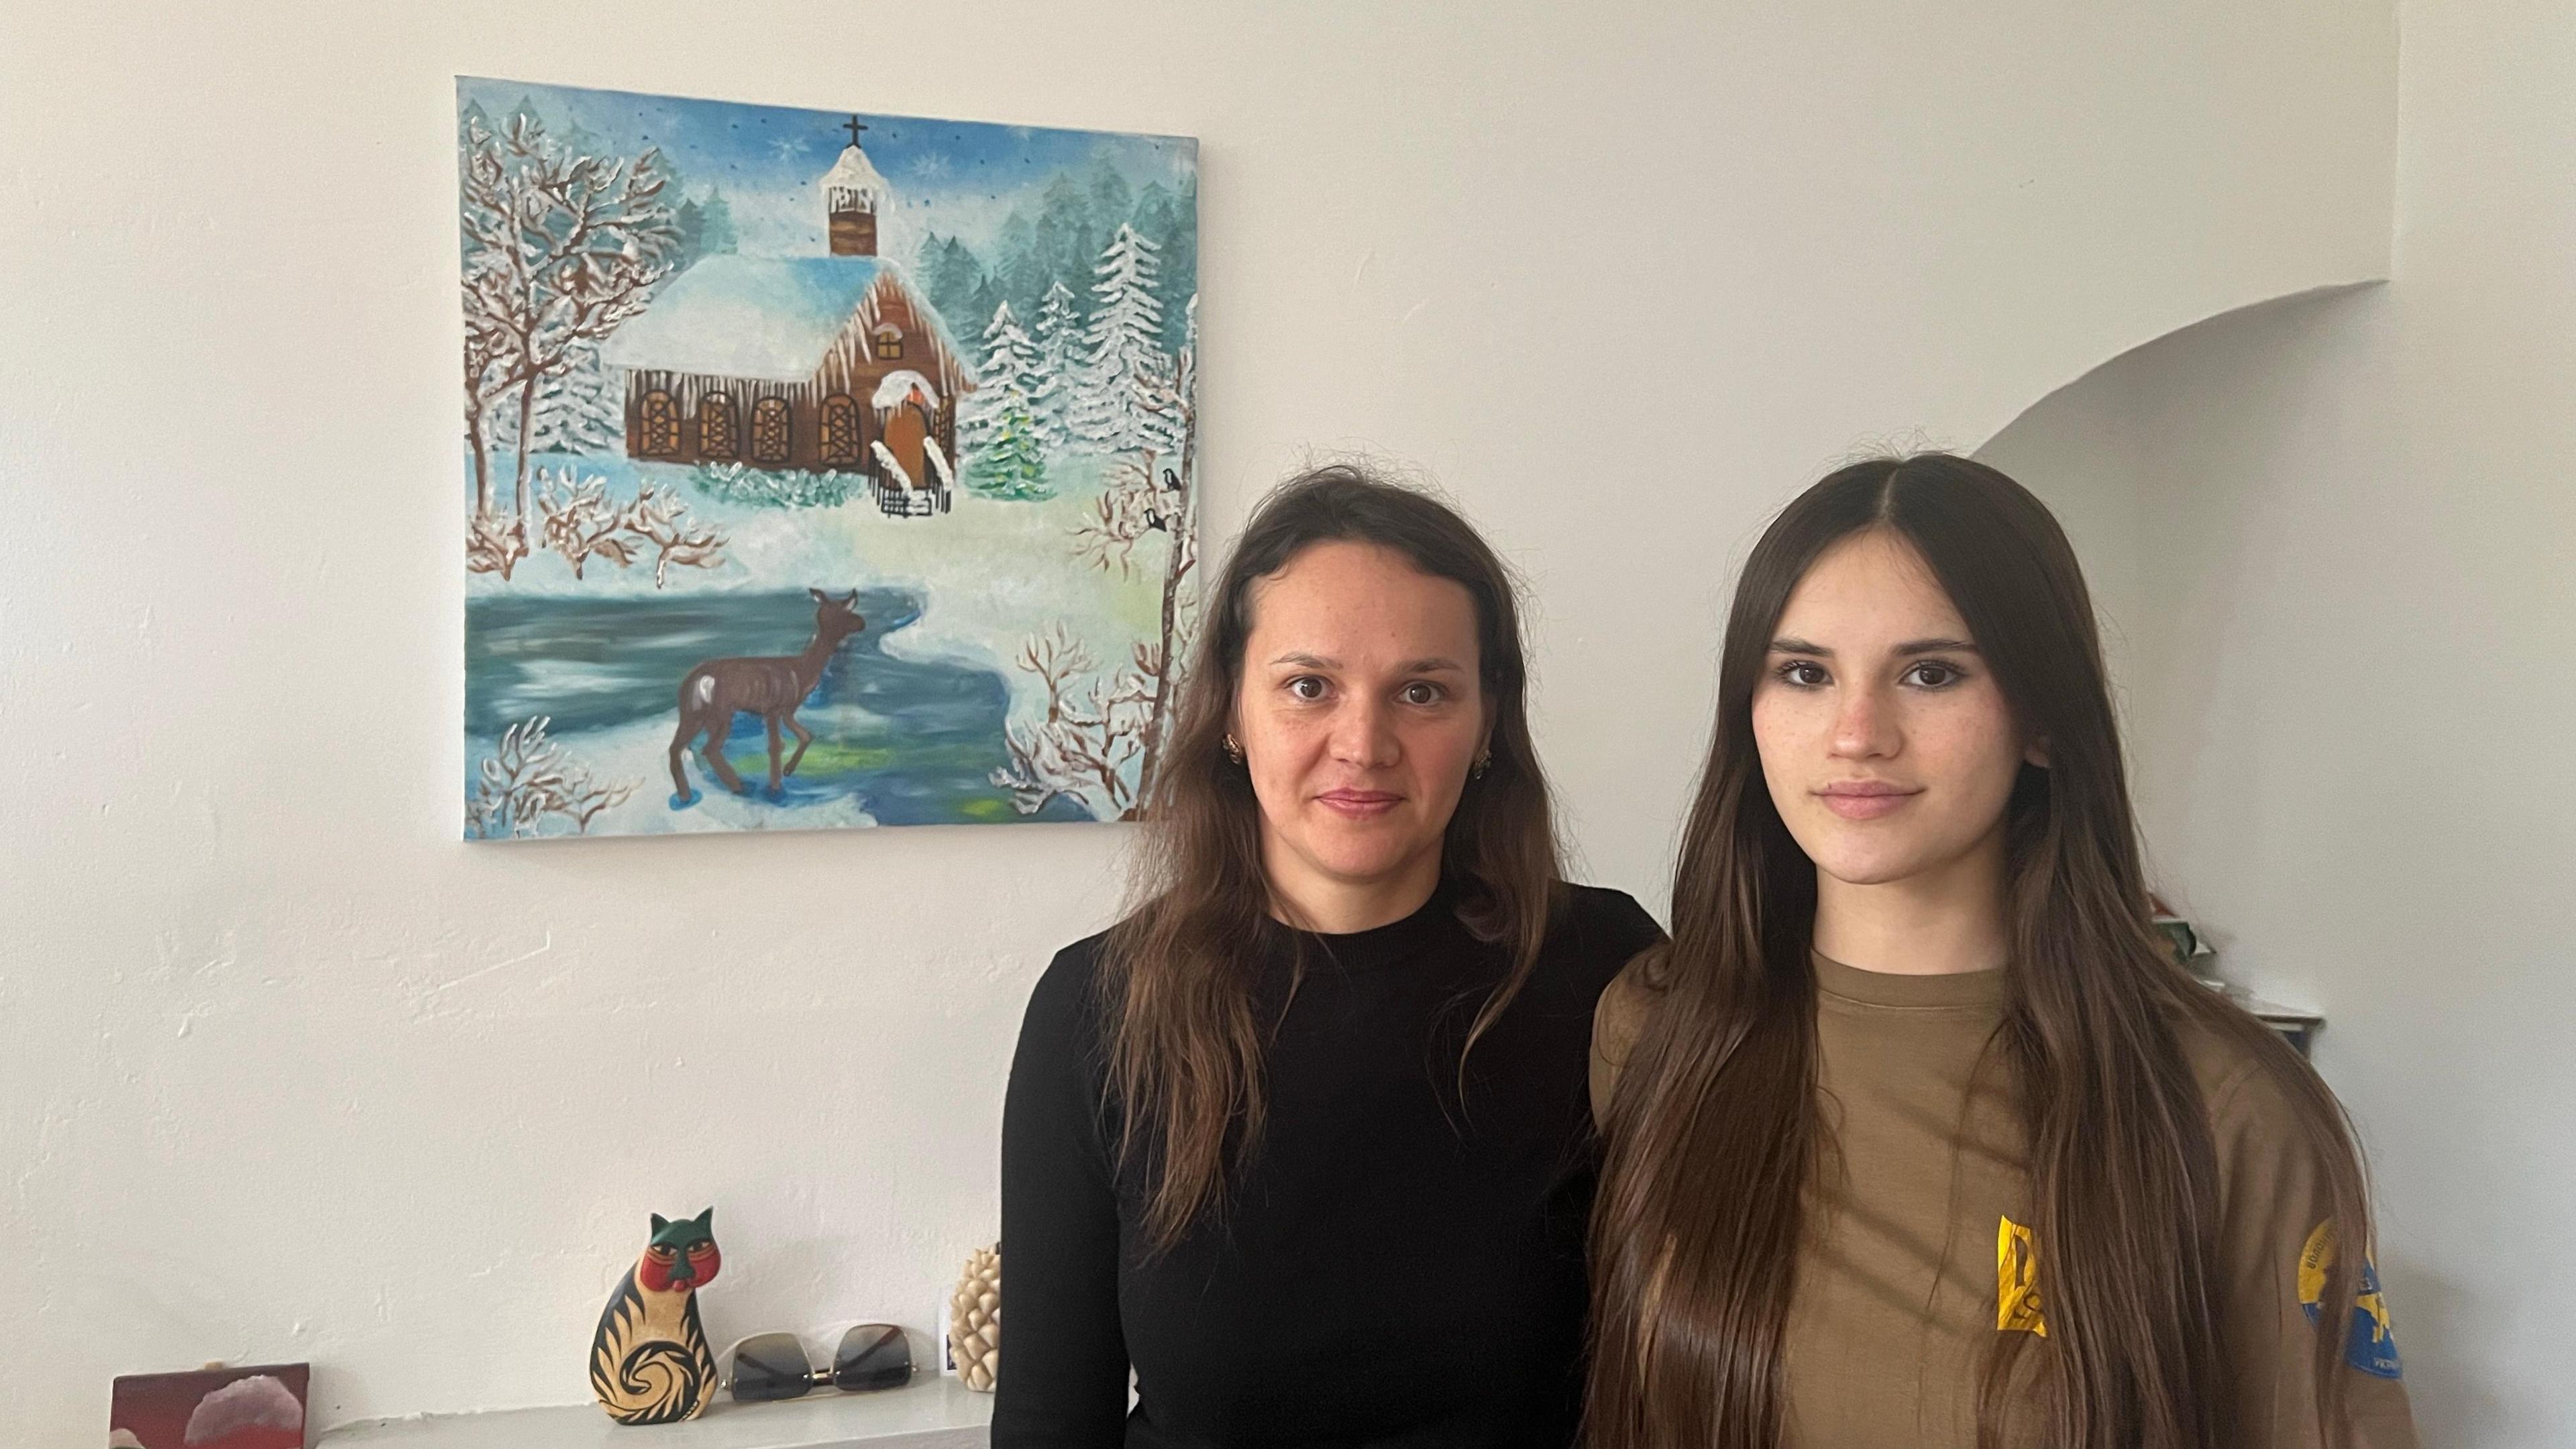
{"x": 2370, "y": 1345}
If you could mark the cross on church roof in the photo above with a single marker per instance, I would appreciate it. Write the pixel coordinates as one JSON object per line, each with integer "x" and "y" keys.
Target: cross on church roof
{"x": 854, "y": 126}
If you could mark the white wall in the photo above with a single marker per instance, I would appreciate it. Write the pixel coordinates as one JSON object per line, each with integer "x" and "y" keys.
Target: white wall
{"x": 290, "y": 1073}
{"x": 2354, "y": 550}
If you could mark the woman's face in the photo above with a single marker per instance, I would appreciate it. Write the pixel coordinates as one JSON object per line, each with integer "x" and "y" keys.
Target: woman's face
{"x": 1359, "y": 714}
{"x": 1889, "y": 750}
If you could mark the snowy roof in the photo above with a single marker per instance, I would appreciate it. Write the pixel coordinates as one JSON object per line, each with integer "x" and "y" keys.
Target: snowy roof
{"x": 771, "y": 318}
{"x": 853, "y": 173}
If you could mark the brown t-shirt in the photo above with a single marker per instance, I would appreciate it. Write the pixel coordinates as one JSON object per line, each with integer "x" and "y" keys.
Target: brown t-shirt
{"x": 1921, "y": 1252}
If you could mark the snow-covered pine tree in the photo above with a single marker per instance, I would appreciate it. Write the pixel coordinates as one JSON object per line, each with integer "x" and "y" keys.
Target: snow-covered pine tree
{"x": 950, "y": 273}
{"x": 1112, "y": 200}
{"x": 1016, "y": 262}
{"x": 1124, "y": 404}
{"x": 706, "y": 228}
{"x": 1171, "y": 223}
{"x": 1008, "y": 455}
{"x": 987, "y": 296}
{"x": 580, "y": 409}
{"x": 1181, "y": 249}
{"x": 1008, "y": 357}
{"x": 1057, "y": 370}
{"x": 1066, "y": 239}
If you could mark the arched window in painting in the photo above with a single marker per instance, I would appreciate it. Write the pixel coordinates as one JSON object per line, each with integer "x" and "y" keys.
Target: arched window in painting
{"x": 716, "y": 435}
{"x": 889, "y": 344}
{"x": 769, "y": 430}
{"x": 840, "y": 432}
{"x": 659, "y": 421}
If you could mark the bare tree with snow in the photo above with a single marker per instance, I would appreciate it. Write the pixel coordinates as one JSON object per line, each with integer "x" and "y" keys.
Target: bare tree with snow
{"x": 494, "y": 544}
{"x": 528, "y": 779}
{"x": 1137, "y": 505}
{"x": 485, "y": 385}
{"x": 657, "y": 517}
{"x": 1091, "y": 732}
{"x": 580, "y": 521}
{"x": 559, "y": 250}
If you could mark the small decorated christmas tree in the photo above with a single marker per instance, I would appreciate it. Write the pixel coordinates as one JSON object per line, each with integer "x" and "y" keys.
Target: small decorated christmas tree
{"x": 1005, "y": 430}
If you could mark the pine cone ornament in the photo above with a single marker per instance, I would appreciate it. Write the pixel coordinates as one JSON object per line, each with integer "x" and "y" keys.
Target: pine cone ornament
{"x": 975, "y": 1321}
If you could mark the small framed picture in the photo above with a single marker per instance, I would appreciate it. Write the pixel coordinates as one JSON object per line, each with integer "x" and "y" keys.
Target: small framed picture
{"x": 217, "y": 1408}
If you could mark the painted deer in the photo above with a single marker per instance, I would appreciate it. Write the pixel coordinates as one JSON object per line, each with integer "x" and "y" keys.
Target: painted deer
{"x": 770, "y": 687}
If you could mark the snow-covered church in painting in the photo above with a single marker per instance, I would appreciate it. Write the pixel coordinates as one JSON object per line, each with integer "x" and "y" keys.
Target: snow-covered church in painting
{"x": 831, "y": 364}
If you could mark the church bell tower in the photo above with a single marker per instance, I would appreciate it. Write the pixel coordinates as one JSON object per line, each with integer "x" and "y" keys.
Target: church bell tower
{"x": 852, "y": 193}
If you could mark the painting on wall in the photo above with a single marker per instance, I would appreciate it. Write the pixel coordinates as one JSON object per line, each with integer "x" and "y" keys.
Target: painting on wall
{"x": 820, "y": 469}
{"x": 243, "y": 1408}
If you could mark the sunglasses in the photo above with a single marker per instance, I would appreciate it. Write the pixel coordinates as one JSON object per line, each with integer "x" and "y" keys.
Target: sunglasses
{"x": 771, "y": 1366}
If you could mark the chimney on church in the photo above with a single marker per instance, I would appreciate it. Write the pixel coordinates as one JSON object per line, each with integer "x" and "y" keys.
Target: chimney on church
{"x": 852, "y": 193}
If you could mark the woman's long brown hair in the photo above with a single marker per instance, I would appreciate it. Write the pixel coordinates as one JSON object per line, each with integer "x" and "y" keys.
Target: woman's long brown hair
{"x": 1185, "y": 1047}
{"x": 1715, "y": 1136}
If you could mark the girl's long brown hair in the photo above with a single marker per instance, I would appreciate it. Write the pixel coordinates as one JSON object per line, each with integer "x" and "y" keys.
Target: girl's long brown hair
{"x": 1715, "y": 1136}
{"x": 1179, "y": 972}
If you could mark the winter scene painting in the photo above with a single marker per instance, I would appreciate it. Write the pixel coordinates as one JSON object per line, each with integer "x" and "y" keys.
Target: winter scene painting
{"x": 821, "y": 469}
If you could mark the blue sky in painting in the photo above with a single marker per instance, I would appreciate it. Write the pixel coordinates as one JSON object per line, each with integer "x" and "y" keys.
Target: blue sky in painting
{"x": 953, "y": 177}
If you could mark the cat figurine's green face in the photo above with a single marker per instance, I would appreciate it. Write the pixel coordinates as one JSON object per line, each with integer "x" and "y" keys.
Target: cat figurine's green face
{"x": 682, "y": 1257}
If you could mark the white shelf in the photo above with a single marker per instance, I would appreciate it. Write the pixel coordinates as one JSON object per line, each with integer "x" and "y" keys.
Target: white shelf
{"x": 930, "y": 1413}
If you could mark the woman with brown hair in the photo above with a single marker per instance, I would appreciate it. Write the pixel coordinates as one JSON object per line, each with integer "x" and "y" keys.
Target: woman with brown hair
{"x": 1303, "y": 1140}
{"x": 1913, "y": 1014}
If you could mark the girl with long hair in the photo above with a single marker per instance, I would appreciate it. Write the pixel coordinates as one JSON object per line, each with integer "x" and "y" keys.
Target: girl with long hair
{"x": 1918, "y": 1134}
{"x": 1302, "y": 1142}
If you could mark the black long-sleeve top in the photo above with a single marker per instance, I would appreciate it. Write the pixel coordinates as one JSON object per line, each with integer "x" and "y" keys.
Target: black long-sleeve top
{"x": 1393, "y": 1265}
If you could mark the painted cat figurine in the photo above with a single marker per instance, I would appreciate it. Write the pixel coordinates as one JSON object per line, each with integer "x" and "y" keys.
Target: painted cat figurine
{"x": 649, "y": 1362}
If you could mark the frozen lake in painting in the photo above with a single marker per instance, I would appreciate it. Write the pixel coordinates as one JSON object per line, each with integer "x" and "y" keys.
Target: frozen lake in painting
{"x": 909, "y": 741}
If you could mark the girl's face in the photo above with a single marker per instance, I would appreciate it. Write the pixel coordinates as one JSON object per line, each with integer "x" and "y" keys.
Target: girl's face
{"x": 1889, "y": 751}
{"x": 1359, "y": 714}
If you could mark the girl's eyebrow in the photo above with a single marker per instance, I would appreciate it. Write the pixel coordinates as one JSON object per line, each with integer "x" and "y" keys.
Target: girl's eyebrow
{"x": 1432, "y": 665}
{"x": 1787, "y": 645}
{"x": 1936, "y": 646}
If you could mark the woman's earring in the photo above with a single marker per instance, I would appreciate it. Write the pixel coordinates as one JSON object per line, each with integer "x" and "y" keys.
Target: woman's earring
{"x": 1234, "y": 749}
{"x": 1483, "y": 763}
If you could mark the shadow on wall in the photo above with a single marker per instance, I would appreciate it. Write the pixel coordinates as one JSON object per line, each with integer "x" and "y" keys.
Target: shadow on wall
{"x": 2167, "y": 546}
{"x": 2090, "y": 451}
{"x": 2279, "y": 611}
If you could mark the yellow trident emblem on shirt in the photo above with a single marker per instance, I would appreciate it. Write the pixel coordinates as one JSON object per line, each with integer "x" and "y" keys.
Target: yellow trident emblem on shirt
{"x": 2017, "y": 1281}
